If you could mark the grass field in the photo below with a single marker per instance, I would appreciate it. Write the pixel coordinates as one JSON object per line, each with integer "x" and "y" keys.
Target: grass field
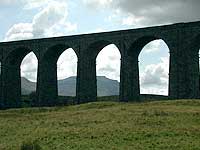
{"x": 166, "y": 125}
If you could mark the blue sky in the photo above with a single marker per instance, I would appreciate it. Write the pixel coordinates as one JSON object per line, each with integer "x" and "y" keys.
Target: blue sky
{"x": 28, "y": 19}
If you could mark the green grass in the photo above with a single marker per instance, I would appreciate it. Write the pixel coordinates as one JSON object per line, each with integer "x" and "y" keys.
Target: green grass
{"x": 166, "y": 125}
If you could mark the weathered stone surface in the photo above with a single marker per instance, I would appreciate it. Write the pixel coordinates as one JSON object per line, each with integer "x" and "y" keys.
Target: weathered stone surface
{"x": 182, "y": 40}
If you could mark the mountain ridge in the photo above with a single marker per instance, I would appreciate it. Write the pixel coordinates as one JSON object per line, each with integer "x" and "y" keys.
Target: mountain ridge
{"x": 67, "y": 86}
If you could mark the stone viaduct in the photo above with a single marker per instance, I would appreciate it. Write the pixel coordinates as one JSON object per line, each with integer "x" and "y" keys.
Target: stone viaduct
{"x": 183, "y": 40}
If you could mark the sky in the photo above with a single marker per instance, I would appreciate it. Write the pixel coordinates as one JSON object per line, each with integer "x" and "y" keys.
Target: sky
{"x": 30, "y": 19}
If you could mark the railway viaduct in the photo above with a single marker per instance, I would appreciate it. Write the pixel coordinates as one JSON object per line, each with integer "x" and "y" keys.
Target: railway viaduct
{"x": 183, "y": 40}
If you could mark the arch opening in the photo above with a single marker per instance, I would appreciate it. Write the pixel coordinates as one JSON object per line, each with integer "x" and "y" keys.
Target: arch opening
{"x": 108, "y": 72}
{"x": 28, "y": 76}
{"x": 66, "y": 75}
{"x": 12, "y": 78}
{"x": 49, "y": 78}
{"x": 154, "y": 68}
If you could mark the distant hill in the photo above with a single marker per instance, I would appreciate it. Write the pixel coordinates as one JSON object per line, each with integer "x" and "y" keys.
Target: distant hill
{"x": 67, "y": 87}
{"x": 106, "y": 87}
{"x": 27, "y": 86}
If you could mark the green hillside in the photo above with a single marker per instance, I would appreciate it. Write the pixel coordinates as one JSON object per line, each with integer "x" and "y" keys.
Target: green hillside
{"x": 164, "y": 125}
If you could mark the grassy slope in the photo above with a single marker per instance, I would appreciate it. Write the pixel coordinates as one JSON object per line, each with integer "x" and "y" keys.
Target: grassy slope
{"x": 165, "y": 125}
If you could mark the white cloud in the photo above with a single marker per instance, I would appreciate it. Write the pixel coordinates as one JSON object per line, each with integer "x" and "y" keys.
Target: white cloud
{"x": 32, "y": 4}
{"x": 115, "y": 17}
{"x": 46, "y": 19}
{"x": 97, "y": 3}
{"x": 29, "y": 67}
{"x": 61, "y": 29}
{"x": 50, "y": 15}
{"x": 155, "y": 78}
{"x": 51, "y": 20}
{"x": 19, "y": 31}
{"x": 132, "y": 20}
{"x": 67, "y": 64}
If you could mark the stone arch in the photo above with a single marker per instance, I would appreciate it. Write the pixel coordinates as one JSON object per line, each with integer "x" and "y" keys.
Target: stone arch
{"x": 16, "y": 56}
{"x": 94, "y": 49}
{"x": 154, "y": 70}
{"x": 47, "y": 81}
{"x": 138, "y": 46}
{"x": 28, "y": 74}
{"x": 72, "y": 54}
{"x": 130, "y": 86}
{"x": 11, "y": 75}
{"x": 108, "y": 64}
{"x": 67, "y": 74}
{"x": 29, "y": 60}
{"x": 52, "y": 53}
